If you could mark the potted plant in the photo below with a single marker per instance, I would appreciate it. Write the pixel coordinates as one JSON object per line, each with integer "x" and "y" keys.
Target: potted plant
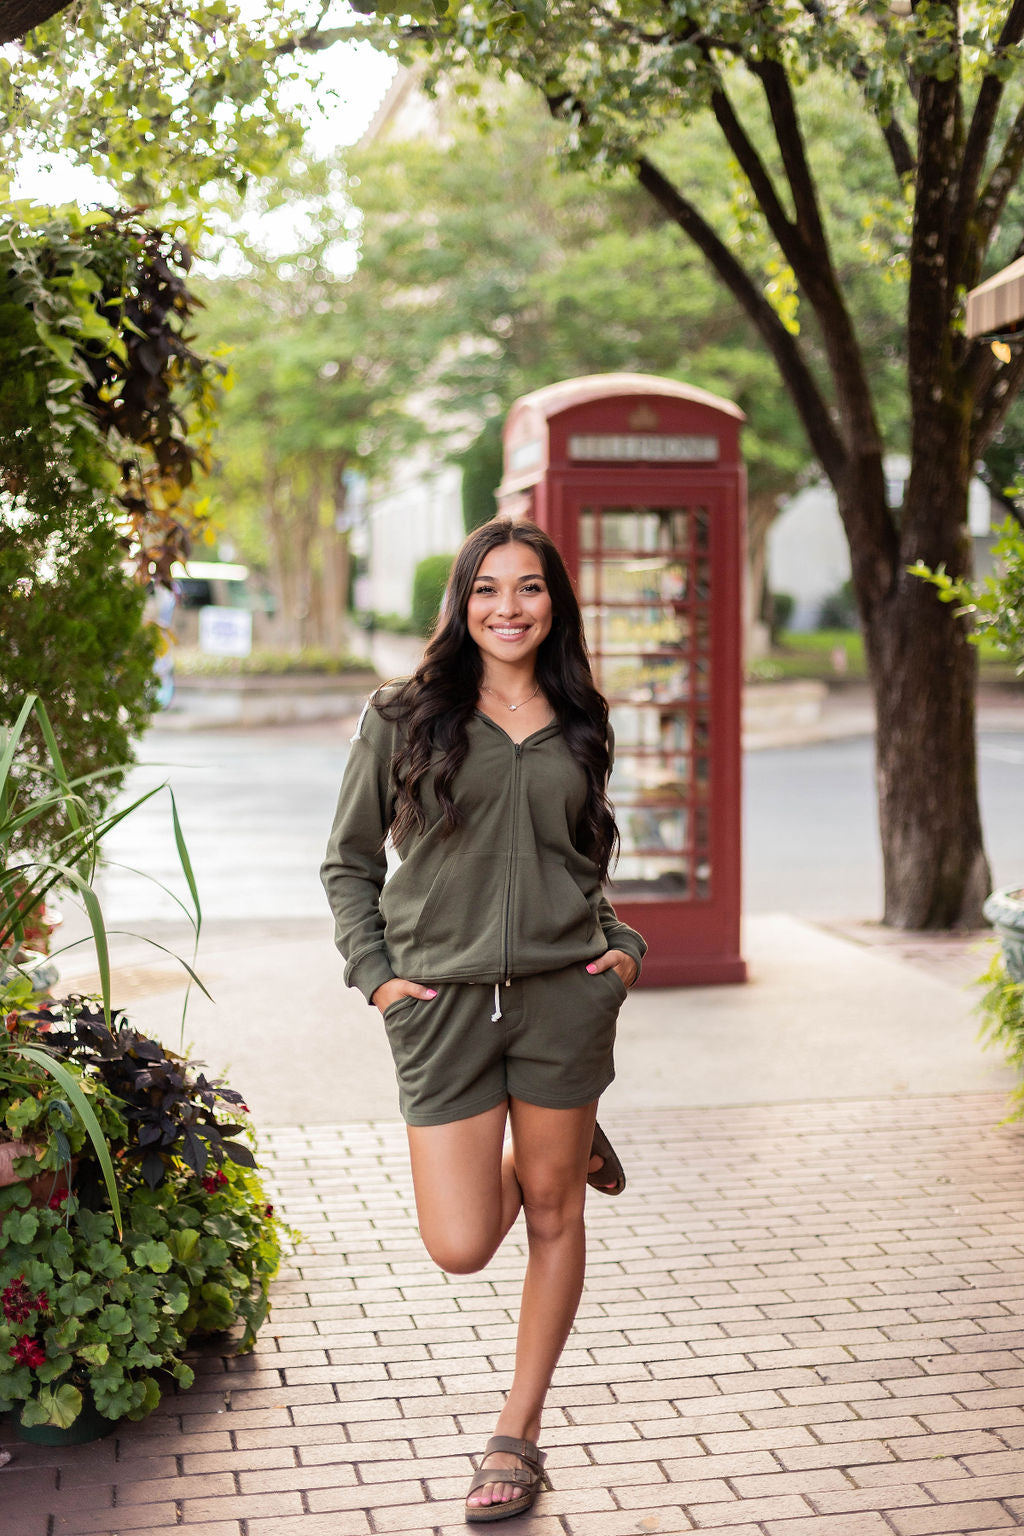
{"x": 93, "y": 1321}
{"x": 136, "y": 1218}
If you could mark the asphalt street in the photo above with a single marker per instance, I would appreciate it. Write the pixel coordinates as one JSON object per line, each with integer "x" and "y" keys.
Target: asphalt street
{"x": 256, "y": 806}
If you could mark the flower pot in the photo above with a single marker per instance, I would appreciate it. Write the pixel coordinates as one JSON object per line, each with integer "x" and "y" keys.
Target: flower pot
{"x": 90, "y": 1425}
{"x": 10, "y": 1151}
{"x": 1005, "y": 911}
{"x": 41, "y": 1186}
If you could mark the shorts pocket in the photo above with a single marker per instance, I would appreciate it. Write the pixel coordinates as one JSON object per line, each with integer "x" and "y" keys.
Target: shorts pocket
{"x": 616, "y": 982}
{"x": 394, "y": 1010}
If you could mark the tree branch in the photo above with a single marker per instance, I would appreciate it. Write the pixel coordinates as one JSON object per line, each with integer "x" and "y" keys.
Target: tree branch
{"x": 805, "y": 245}
{"x": 900, "y": 152}
{"x": 983, "y": 119}
{"x": 1002, "y": 181}
{"x": 814, "y": 413}
{"x": 20, "y": 16}
{"x": 932, "y": 287}
{"x": 998, "y": 387}
{"x": 755, "y": 170}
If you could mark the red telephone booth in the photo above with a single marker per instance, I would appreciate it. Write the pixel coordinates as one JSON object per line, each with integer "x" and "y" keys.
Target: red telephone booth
{"x": 640, "y": 483}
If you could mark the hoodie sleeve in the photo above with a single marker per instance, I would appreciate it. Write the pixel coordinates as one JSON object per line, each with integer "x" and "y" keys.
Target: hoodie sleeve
{"x": 619, "y": 935}
{"x": 355, "y": 866}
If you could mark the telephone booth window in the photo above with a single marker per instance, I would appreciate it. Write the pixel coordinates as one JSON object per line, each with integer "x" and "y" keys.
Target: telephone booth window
{"x": 644, "y": 594}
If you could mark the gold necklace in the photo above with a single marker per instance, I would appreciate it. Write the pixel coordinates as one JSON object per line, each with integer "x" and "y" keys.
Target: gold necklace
{"x": 510, "y": 707}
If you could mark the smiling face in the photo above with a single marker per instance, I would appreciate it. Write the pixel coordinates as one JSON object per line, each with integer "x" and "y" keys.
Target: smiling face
{"x": 508, "y": 615}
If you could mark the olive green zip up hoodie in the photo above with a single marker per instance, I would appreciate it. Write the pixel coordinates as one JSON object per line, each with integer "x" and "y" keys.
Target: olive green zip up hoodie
{"x": 506, "y": 895}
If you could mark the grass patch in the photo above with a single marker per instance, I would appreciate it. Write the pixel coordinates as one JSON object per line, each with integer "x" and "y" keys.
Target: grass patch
{"x": 814, "y": 654}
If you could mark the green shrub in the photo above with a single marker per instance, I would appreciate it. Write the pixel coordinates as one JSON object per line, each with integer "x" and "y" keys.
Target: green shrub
{"x": 1002, "y": 1012}
{"x": 390, "y": 623}
{"x": 428, "y": 584}
{"x": 839, "y": 609}
{"x": 994, "y": 606}
{"x": 268, "y": 663}
{"x": 781, "y": 609}
{"x": 481, "y": 475}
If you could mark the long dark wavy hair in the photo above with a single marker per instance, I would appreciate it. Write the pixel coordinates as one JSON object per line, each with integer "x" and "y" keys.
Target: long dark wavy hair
{"x": 436, "y": 704}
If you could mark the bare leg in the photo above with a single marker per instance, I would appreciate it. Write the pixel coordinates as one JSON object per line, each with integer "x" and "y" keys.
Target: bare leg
{"x": 467, "y": 1193}
{"x": 551, "y": 1149}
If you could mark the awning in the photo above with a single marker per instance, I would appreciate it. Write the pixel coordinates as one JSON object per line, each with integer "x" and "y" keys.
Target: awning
{"x": 997, "y": 304}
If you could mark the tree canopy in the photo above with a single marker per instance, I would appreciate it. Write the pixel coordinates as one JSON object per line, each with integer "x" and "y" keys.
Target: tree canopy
{"x": 103, "y": 406}
{"x": 160, "y": 100}
{"x": 940, "y": 89}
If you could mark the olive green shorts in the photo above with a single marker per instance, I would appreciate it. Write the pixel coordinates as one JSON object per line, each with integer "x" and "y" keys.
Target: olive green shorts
{"x": 552, "y": 1045}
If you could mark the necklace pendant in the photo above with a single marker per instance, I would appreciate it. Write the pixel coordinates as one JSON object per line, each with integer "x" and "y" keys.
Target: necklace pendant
{"x": 513, "y": 708}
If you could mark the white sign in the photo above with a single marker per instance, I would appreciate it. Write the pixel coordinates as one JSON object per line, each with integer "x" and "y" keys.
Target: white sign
{"x": 225, "y": 631}
{"x": 654, "y": 448}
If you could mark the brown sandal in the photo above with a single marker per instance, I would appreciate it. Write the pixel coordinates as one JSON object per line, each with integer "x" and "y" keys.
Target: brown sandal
{"x": 609, "y": 1178}
{"x": 528, "y": 1477}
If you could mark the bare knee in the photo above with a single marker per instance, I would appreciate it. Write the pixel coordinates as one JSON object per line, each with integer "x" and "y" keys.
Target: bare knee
{"x": 552, "y": 1208}
{"x": 461, "y": 1253}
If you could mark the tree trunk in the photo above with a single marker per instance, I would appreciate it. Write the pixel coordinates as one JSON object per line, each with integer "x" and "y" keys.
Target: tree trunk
{"x": 334, "y": 547}
{"x": 924, "y": 675}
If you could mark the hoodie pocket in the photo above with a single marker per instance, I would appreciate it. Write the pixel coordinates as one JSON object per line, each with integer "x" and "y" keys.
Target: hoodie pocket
{"x": 550, "y": 910}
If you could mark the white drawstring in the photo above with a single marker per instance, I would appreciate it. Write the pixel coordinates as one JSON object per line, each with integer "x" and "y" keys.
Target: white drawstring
{"x": 496, "y": 1015}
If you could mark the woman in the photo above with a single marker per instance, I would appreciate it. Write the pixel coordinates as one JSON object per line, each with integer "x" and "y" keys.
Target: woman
{"x": 498, "y": 965}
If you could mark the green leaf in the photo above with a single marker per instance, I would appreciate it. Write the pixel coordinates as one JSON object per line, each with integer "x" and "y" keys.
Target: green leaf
{"x": 153, "y": 1255}
{"x": 183, "y": 1244}
{"x": 94, "y": 1354}
{"x": 59, "y": 1407}
{"x": 20, "y": 1227}
{"x": 85, "y": 1110}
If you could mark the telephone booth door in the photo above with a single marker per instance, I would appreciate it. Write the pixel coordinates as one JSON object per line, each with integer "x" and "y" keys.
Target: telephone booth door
{"x": 638, "y": 480}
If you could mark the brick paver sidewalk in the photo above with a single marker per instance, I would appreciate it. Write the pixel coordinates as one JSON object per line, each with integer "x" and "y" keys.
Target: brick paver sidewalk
{"x": 800, "y": 1320}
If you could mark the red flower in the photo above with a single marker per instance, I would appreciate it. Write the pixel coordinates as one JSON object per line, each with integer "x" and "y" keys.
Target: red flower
{"x": 209, "y": 1183}
{"x": 268, "y": 1210}
{"x": 16, "y": 1301}
{"x": 222, "y": 1177}
{"x": 245, "y": 1109}
{"x": 42, "y": 1302}
{"x": 57, "y": 1199}
{"x": 28, "y": 1352}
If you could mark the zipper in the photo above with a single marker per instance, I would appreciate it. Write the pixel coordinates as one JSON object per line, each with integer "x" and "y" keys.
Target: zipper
{"x": 506, "y": 921}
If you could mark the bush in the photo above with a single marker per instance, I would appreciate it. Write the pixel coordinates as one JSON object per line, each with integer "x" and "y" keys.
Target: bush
{"x": 780, "y": 612}
{"x": 389, "y": 623}
{"x": 1002, "y": 1012}
{"x": 996, "y": 606}
{"x": 839, "y": 610}
{"x": 268, "y": 663}
{"x": 481, "y": 475}
{"x": 428, "y": 584}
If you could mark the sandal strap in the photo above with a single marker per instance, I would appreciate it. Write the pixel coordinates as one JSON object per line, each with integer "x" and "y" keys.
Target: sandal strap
{"x": 526, "y": 1450}
{"x": 521, "y": 1477}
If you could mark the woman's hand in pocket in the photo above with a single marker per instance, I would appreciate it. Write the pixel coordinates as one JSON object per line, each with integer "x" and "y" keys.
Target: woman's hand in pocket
{"x": 390, "y": 991}
{"x": 613, "y": 960}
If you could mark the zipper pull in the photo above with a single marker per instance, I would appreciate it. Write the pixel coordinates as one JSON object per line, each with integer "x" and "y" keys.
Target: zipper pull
{"x": 519, "y": 748}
